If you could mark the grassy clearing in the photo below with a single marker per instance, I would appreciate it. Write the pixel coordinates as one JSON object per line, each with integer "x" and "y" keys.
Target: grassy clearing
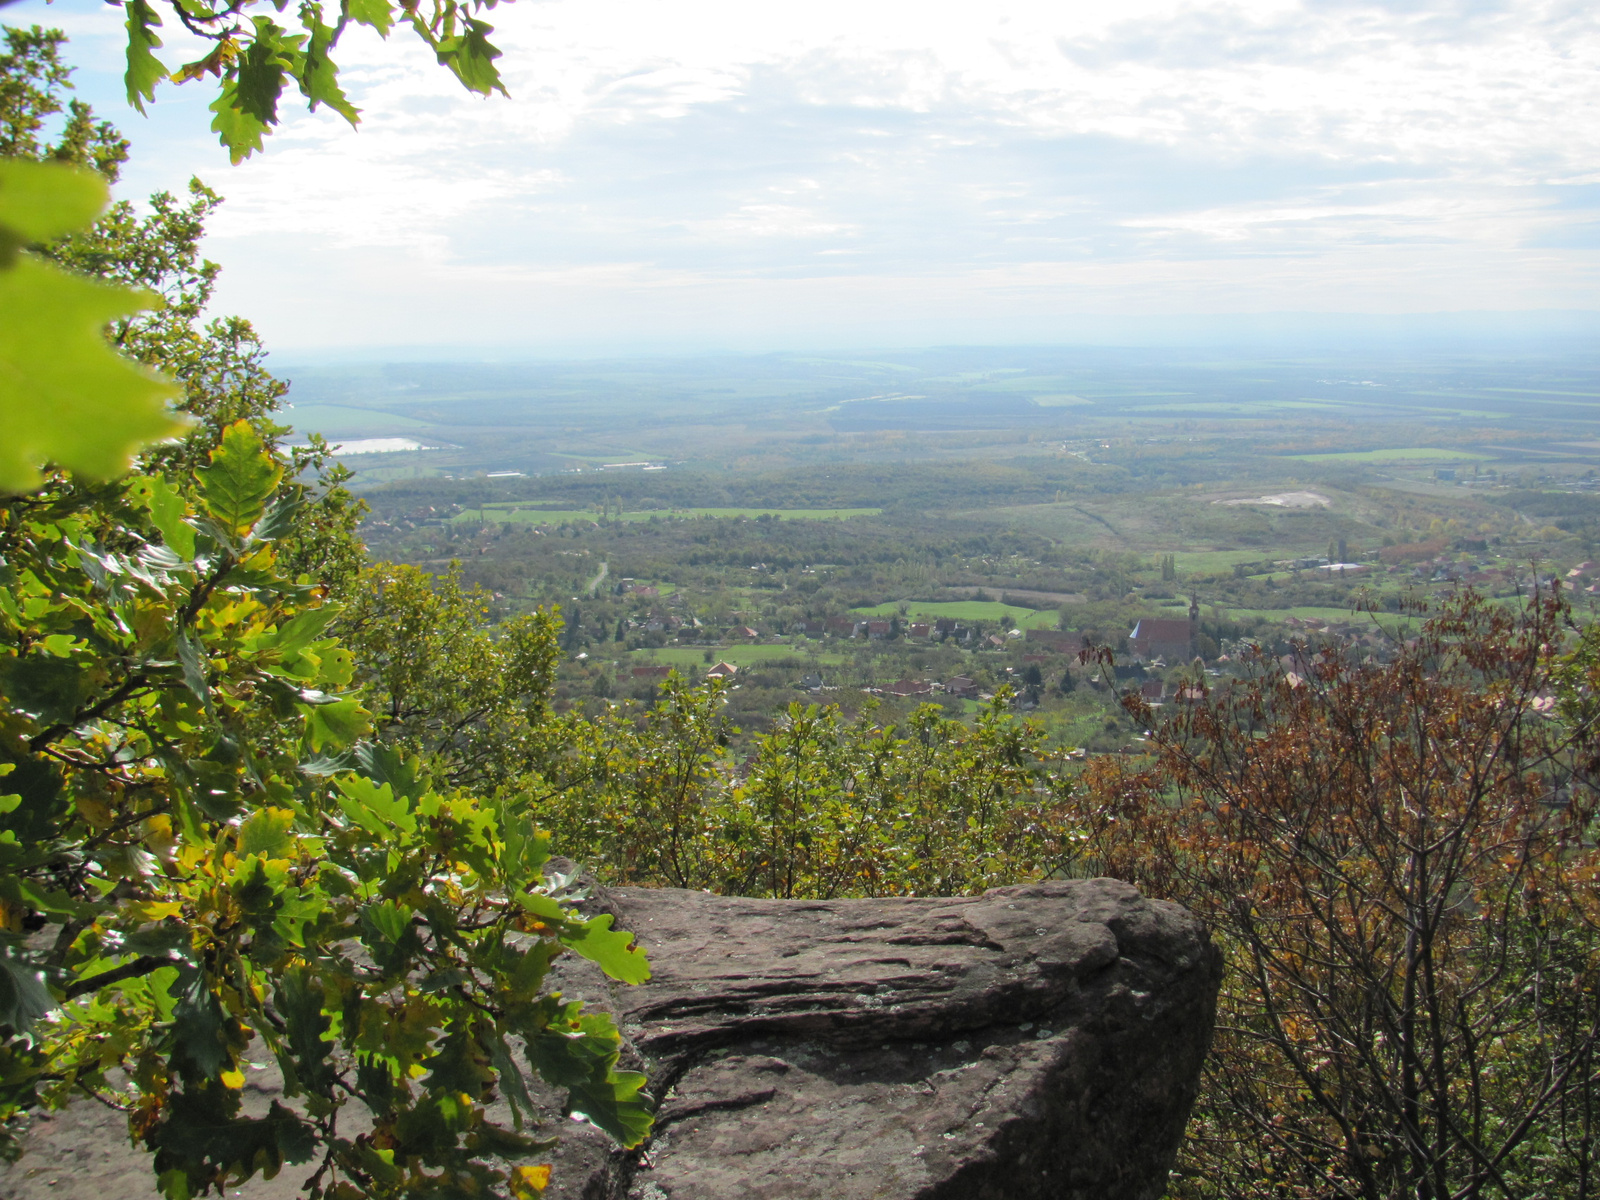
{"x": 1413, "y": 454}
{"x": 966, "y": 610}
{"x": 535, "y": 516}
{"x": 1161, "y": 524}
{"x": 1324, "y": 614}
{"x": 692, "y": 659}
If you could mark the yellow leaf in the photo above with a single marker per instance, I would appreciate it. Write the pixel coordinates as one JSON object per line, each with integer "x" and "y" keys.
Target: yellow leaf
{"x": 95, "y": 811}
{"x": 233, "y": 1080}
{"x": 150, "y": 910}
{"x": 527, "y": 1182}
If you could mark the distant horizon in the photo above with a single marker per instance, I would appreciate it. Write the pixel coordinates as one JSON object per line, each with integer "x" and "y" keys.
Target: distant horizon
{"x": 1562, "y": 331}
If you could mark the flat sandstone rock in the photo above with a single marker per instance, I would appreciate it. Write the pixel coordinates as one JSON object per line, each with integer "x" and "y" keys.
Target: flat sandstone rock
{"x": 1036, "y": 1041}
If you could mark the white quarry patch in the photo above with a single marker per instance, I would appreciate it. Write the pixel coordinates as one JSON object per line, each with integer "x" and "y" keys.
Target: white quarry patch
{"x": 1284, "y": 500}
{"x": 388, "y": 445}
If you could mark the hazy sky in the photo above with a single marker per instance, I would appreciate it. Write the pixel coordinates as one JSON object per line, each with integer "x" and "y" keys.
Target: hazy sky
{"x": 720, "y": 173}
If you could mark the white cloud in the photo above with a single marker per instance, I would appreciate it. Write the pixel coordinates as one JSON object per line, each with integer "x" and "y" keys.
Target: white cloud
{"x": 670, "y": 161}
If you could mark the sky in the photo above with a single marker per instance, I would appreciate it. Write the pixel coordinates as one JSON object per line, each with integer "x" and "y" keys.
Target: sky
{"x": 718, "y": 174}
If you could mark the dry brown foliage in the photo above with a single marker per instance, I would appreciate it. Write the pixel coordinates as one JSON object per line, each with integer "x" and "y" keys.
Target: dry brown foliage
{"x": 1398, "y": 860}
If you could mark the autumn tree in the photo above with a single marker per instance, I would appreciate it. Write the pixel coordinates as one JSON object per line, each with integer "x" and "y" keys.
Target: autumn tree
{"x": 1398, "y": 859}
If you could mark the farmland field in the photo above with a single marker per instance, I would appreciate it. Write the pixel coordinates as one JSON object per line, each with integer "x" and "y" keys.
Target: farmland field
{"x": 1415, "y": 454}
{"x": 966, "y": 610}
{"x": 691, "y": 661}
{"x": 1185, "y": 523}
{"x": 1209, "y": 562}
{"x": 1321, "y": 613}
{"x": 537, "y": 516}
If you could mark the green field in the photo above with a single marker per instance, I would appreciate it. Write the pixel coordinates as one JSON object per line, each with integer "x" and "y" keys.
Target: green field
{"x": 967, "y": 610}
{"x": 537, "y": 516}
{"x": 691, "y": 660}
{"x": 1329, "y": 615}
{"x": 1414, "y": 454}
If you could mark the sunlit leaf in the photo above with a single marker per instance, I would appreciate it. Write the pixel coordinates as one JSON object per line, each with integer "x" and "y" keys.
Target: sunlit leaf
{"x": 266, "y": 831}
{"x": 339, "y": 724}
{"x": 614, "y": 951}
{"x": 319, "y": 77}
{"x": 145, "y": 70}
{"x": 65, "y": 396}
{"x": 379, "y": 14}
{"x": 167, "y": 511}
{"x": 240, "y": 131}
{"x": 528, "y": 1182}
{"x": 470, "y": 56}
{"x": 40, "y": 201}
{"x": 241, "y": 478}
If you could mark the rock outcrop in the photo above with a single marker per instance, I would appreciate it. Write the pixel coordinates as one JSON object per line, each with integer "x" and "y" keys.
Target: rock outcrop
{"x": 1037, "y": 1041}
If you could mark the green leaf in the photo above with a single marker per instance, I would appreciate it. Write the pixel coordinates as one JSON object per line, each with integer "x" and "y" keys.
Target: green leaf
{"x": 319, "y": 77}
{"x": 40, "y": 201}
{"x": 338, "y": 724}
{"x": 248, "y": 105}
{"x": 526, "y": 848}
{"x": 280, "y": 516}
{"x": 145, "y": 70}
{"x": 615, "y": 1105}
{"x": 378, "y": 14}
{"x": 512, "y": 1083}
{"x": 461, "y": 1062}
{"x": 199, "y": 1139}
{"x": 611, "y": 950}
{"x": 470, "y": 56}
{"x": 200, "y": 1028}
{"x": 238, "y": 130}
{"x": 194, "y": 667}
{"x": 296, "y": 634}
{"x": 388, "y": 934}
{"x": 546, "y": 908}
{"x": 267, "y": 832}
{"x": 241, "y": 478}
{"x": 384, "y": 764}
{"x": 375, "y": 808}
{"x": 65, "y": 395}
{"x": 167, "y": 512}
{"x": 578, "y": 1051}
{"x": 23, "y": 995}
{"x": 300, "y": 998}
{"x": 262, "y": 68}
{"x": 50, "y": 689}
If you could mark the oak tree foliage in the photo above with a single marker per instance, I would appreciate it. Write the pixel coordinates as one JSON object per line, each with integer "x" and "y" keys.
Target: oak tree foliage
{"x": 206, "y": 863}
{"x": 254, "y": 60}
